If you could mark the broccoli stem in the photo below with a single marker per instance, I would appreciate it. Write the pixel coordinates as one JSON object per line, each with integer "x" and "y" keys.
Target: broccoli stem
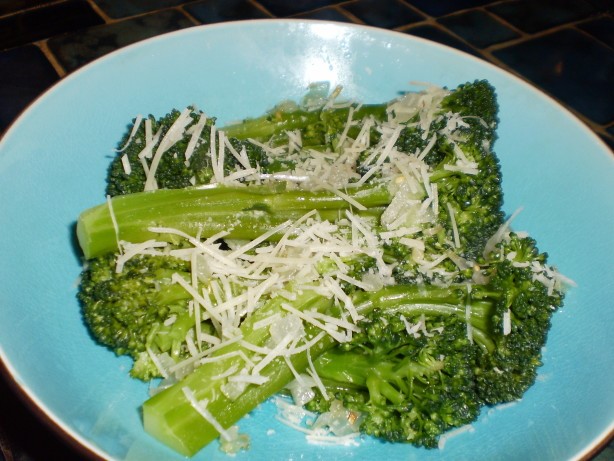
{"x": 280, "y": 121}
{"x": 245, "y": 213}
{"x": 171, "y": 418}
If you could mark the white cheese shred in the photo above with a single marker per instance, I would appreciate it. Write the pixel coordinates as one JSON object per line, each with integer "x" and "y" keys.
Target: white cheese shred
{"x": 454, "y": 227}
{"x": 135, "y": 128}
{"x": 114, "y": 222}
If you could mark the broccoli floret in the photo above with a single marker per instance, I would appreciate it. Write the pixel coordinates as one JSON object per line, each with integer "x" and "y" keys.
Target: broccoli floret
{"x": 429, "y": 360}
{"x": 126, "y": 173}
{"x": 127, "y": 311}
{"x": 464, "y": 168}
{"x": 409, "y": 387}
{"x": 475, "y": 99}
{"x": 517, "y": 269}
{"x": 175, "y": 170}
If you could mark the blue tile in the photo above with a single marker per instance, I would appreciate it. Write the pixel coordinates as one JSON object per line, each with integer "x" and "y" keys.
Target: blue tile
{"x": 324, "y": 14}
{"x": 478, "y": 28}
{"x": 601, "y": 28}
{"x": 74, "y": 50}
{"x": 436, "y": 34}
{"x": 442, "y": 7}
{"x": 26, "y": 73}
{"x": 211, "y": 11}
{"x": 383, "y": 13}
{"x": 124, "y": 8}
{"x": 572, "y": 67}
{"x": 293, "y": 7}
{"x": 36, "y": 24}
{"x": 533, "y": 16}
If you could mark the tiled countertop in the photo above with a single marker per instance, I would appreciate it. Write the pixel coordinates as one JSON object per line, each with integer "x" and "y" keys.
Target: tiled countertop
{"x": 564, "y": 47}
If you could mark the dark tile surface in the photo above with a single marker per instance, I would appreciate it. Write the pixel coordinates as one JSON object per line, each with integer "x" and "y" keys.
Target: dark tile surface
{"x": 479, "y": 28}
{"x": 437, "y": 35}
{"x": 571, "y": 67}
{"x": 11, "y": 6}
{"x": 388, "y": 14}
{"x": 324, "y": 14}
{"x": 125, "y": 8}
{"x": 39, "y": 23}
{"x": 443, "y": 7}
{"x": 601, "y": 28}
{"x": 210, "y": 11}
{"x": 28, "y": 436}
{"x": 291, "y": 7}
{"x": 26, "y": 73}
{"x": 536, "y": 15}
{"x": 74, "y": 50}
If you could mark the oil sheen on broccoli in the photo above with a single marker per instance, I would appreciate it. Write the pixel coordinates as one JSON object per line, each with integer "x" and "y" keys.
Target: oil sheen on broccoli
{"x": 354, "y": 256}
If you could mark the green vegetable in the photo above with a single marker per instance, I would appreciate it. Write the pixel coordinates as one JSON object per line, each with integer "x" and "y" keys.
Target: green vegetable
{"x": 242, "y": 213}
{"x": 364, "y": 245}
{"x": 419, "y": 375}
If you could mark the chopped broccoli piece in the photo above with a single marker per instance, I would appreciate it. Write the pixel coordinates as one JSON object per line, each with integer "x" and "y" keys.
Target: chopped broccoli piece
{"x": 407, "y": 387}
{"x": 127, "y": 311}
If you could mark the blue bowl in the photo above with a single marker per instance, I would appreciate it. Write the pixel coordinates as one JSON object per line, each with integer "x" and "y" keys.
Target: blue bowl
{"x": 53, "y": 162}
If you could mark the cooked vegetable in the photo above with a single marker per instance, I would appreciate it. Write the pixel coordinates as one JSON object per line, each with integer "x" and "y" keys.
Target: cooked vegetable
{"x": 356, "y": 256}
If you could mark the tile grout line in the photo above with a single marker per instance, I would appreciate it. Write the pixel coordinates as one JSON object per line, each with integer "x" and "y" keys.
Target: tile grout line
{"x": 100, "y": 12}
{"x": 43, "y": 46}
{"x": 261, "y": 7}
{"x": 191, "y": 18}
{"x": 32, "y": 8}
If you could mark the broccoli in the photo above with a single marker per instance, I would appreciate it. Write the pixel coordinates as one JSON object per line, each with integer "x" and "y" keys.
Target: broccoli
{"x": 128, "y": 311}
{"x": 183, "y": 157}
{"x": 364, "y": 245}
{"x": 407, "y": 387}
{"x": 413, "y": 372}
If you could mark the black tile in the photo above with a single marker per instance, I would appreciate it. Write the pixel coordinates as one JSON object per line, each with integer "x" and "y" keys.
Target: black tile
{"x": 603, "y": 6}
{"x": 571, "y": 66}
{"x": 26, "y": 73}
{"x": 324, "y": 14}
{"x": 211, "y": 11}
{"x": 536, "y": 15}
{"x": 609, "y": 141}
{"x": 76, "y": 49}
{"x": 436, "y": 34}
{"x": 124, "y": 8}
{"x": 13, "y": 6}
{"x": 383, "y": 13}
{"x": 443, "y": 7}
{"x": 292, "y": 7}
{"x": 478, "y": 28}
{"x": 601, "y": 28}
{"x": 37, "y": 24}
